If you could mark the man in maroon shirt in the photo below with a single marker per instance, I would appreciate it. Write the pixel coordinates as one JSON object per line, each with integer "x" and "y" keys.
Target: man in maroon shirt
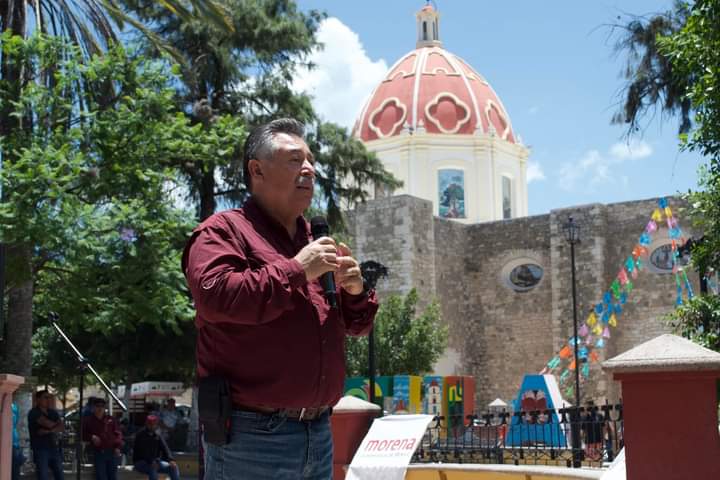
{"x": 103, "y": 433}
{"x": 262, "y": 321}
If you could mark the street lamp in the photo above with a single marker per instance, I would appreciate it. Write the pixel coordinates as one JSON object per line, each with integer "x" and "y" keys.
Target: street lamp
{"x": 372, "y": 271}
{"x": 572, "y": 235}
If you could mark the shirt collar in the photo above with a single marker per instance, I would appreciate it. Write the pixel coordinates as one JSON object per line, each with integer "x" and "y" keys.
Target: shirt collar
{"x": 255, "y": 211}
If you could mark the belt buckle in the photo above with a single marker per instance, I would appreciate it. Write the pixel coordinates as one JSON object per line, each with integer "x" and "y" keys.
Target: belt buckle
{"x": 302, "y": 414}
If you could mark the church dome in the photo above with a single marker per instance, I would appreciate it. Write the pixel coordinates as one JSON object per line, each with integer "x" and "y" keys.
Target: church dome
{"x": 432, "y": 90}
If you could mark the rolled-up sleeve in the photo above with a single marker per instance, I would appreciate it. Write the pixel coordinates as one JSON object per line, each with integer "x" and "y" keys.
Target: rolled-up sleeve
{"x": 358, "y": 312}
{"x": 226, "y": 289}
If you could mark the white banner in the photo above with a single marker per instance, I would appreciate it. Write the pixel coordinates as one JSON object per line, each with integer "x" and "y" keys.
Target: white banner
{"x": 386, "y": 451}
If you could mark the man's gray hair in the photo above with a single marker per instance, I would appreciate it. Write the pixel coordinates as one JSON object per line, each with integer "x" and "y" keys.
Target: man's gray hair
{"x": 260, "y": 144}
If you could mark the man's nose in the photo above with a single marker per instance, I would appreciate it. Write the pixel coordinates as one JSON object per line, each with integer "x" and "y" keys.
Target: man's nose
{"x": 308, "y": 169}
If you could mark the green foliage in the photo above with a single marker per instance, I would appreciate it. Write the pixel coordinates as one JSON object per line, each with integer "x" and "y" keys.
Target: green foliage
{"x": 674, "y": 65}
{"x": 694, "y": 52}
{"x": 699, "y": 320}
{"x": 405, "y": 343}
{"x": 89, "y": 186}
{"x": 244, "y": 72}
{"x": 247, "y": 73}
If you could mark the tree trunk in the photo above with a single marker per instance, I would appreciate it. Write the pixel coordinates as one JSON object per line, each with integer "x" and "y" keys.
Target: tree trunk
{"x": 207, "y": 194}
{"x": 18, "y": 352}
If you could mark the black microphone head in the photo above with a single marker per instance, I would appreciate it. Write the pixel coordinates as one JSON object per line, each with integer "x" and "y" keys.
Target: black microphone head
{"x": 319, "y": 227}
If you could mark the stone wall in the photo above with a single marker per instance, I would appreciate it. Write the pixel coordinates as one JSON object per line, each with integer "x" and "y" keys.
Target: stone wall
{"x": 497, "y": 334}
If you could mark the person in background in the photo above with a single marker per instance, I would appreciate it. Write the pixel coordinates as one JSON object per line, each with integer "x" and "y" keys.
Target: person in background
{"x": 151, "y": 454}
{"x": 44, "y": 425}
{"x": 103, "y": 433}
{"x": 168, "y": 418}
{"x": 18, "y": 459}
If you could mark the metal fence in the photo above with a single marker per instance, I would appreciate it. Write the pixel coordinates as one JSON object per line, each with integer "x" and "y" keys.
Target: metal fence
{"x": 541, "y": 437}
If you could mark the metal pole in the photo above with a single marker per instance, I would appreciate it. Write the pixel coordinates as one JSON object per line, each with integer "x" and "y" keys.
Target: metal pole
{"x": 78, "y": 434}
{"x": 371, "y": 365}
{"x": 577, "y": 457}
{"x": 575, "y": 327}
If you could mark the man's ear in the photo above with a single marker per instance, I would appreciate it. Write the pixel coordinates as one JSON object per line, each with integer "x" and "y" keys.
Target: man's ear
{"x": 255, "y": 168}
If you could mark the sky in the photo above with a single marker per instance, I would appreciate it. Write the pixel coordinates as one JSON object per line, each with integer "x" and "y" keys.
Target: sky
{"x": 551, "y": 63}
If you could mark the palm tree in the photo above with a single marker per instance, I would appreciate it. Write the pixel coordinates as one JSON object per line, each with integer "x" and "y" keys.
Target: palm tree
{"x": 651, "y": 82}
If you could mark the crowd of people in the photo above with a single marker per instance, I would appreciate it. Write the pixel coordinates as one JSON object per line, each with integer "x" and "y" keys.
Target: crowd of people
{"x": 107, "y": 439}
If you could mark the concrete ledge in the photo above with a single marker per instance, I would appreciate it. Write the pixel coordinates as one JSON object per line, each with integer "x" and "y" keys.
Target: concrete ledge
{"x": 453, "y": 471}
{"x": 666, "y": 353}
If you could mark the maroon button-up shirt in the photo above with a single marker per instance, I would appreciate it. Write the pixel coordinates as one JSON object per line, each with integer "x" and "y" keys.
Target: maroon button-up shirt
{"x": 106, "y": 428}
{"x": 260, "y": 323}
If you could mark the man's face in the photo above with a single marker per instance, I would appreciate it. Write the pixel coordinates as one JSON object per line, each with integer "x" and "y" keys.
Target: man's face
{"x": 286, "y": 181}
{"x": 99, "y": 409}
{"x": 44, "y": 401}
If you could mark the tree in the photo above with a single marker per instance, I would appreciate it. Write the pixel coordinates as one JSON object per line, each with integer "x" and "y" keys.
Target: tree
{"x": 406, "y": 343}
{"x": 678, "y": 73}
{"x": 244, "y": 72}
{"x": 89, "y": 25}
{"x": 90, "y": 193}
{"x": 694, "y": 53}
{"x": 651, "y": 83}
{"x": 247, "y": 73}
{"x": 699, "y": 320}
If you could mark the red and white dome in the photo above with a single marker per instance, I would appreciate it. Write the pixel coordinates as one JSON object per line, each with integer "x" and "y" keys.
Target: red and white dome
{"x": 435, "y": 90}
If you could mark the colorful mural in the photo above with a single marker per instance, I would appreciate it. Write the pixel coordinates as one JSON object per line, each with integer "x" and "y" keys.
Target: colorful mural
{"x": 538, "y": 393}
{"x": 458, "y": 399}
{"x": 406, "y": 394}
{"x": 360, "y": 387}
{"x": 451, "y": 193}
{"x": 432, "y": 395}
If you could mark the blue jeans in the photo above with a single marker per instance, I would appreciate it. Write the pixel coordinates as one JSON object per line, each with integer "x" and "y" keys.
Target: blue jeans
{"x": 272, "y": 447}
{"x": 105, "y": 465}
{"x": 48, "y": 459}
{"x": 162, "y": 467}
{"x": 17, "y": 461}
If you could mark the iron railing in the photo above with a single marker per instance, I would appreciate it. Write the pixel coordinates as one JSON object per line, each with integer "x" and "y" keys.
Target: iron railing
{"x": 541, "y": 437}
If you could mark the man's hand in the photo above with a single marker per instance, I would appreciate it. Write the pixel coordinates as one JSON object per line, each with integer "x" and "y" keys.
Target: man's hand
{"x": 348, "y": 275}
{"x": 318, "y": 257}
{"x": 95, "y": 440}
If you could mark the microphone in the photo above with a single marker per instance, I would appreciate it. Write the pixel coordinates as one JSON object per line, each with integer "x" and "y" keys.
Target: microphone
{"x": 319, "y": 228}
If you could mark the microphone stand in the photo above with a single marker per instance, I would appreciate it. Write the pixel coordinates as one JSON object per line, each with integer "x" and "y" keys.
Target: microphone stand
{"x": 83, "y": 365}
{"x": 371, "y": 273}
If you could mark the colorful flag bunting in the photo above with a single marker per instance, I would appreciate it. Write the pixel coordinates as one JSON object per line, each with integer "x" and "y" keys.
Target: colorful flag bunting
{"x": 657, "y": 215}
{"x": 613, "y": 320}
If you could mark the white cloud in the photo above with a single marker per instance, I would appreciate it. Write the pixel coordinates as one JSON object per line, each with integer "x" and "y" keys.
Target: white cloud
{"x": 534, "y": 172}
{"x": 343, "y": 76}
{"x": 633, "y": 150}
{"x": 595, "y": 168}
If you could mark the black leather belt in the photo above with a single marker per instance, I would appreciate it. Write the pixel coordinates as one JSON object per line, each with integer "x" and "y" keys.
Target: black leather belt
{"x": 299, "y": 414}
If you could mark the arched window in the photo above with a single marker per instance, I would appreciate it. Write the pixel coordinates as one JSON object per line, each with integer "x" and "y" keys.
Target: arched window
{"x": 451, "y": 193}
{"x": 507, "y": 198}
{"x": 425, "y": 31}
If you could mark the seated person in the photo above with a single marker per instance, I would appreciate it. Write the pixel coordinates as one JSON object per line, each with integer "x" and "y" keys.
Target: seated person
{"x": 151, "y": 454}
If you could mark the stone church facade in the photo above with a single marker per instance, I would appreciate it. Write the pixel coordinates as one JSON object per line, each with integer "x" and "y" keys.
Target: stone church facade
{"x": 497, "y": 331}
{"x": 457, "y": 229}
